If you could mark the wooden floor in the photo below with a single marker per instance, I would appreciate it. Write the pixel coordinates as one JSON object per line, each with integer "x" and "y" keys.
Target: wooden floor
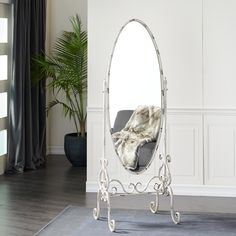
{"x": 28, "y": 201}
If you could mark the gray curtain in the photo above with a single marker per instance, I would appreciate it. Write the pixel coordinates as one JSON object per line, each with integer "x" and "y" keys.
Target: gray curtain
{"x": 27, "y": 123}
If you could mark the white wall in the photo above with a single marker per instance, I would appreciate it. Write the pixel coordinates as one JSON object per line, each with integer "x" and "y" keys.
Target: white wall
{"x": 177, "y": 27}
{"x": 219, "y": 91}
{"x": 196, "y": 41}
{"x": 58, "y": 16}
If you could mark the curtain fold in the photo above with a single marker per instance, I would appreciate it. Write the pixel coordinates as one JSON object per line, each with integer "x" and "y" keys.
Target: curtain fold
{"x": 27, "y": 120}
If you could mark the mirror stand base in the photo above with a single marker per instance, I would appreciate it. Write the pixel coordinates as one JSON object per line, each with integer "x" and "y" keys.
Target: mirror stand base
{"x": 160, "y": 185}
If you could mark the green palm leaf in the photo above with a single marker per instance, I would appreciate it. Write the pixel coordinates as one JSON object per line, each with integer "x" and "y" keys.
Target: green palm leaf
{"x": 67, "y": 70}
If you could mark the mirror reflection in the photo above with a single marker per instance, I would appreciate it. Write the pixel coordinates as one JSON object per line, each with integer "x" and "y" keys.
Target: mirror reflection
{"x": 135, "y": 101}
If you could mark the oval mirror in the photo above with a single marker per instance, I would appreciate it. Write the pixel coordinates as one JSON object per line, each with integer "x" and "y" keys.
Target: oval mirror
{"x": 135, "y": 97}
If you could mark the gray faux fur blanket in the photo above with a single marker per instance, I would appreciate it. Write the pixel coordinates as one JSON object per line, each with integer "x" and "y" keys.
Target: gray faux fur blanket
{"x": 142, "y": 127}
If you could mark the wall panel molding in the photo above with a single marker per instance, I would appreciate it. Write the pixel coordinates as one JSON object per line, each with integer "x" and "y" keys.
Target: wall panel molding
{"x": 220, "y": 150}
{"x": 185, "y": 110}
{"x": 185, "y": 145}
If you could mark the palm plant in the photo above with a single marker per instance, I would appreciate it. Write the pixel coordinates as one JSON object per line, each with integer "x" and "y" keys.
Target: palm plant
{"x": 66, "y": 69}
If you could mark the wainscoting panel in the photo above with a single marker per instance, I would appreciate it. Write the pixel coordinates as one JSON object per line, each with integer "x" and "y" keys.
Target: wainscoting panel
{"x": 185, "y": 147}
{"x": 220, "y": 149}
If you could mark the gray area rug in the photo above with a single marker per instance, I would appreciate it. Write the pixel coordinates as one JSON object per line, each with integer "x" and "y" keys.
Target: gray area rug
{"x": 78, "y": 221}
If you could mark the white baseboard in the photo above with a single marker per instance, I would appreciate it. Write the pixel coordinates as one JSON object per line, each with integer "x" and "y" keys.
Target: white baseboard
{"x": 55, "y": 150}
{"x": 186, "y": 190}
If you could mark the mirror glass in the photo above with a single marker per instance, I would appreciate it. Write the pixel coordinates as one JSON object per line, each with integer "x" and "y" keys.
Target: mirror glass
{"x": 135, "y": 99}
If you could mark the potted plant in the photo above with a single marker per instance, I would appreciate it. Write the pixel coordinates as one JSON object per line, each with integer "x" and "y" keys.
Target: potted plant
{"x": 66, "y": 71}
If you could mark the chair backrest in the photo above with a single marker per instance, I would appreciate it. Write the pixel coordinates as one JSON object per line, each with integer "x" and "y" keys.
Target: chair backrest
{"x": 122, "y": 118}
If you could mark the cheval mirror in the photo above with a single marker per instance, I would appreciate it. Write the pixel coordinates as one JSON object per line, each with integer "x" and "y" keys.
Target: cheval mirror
{"x": 135, "y": 104}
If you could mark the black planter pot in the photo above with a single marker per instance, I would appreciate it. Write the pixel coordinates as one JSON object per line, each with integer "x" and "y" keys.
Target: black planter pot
{"x": 75, "y": 149}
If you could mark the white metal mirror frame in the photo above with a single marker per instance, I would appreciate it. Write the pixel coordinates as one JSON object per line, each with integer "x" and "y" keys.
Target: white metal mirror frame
{"x": 161, "y": 183}
{"x": 162, "y": 95}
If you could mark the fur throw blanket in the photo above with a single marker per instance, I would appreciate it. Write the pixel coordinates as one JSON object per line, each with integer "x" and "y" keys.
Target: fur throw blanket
{"x": 142, "y": 127}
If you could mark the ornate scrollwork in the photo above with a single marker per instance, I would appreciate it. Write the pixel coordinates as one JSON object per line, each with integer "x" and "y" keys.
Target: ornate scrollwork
{"x": 160, "y": 182}
{"x": 133, "y": 187}
{"x": 103, "y": 195}
{"x": 165, "y": 189}
{"x": 160, "y": 185}
{"x": 154, "y": 206}
{"x": 96, "y": 211}
{"x": 174, "y": 214}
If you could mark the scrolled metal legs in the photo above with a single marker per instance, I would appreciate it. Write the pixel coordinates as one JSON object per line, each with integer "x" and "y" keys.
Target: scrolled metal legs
{"x": 111, "y": 222}
{"x": 96, "y": 211}
{"x": 154, "y": 205}
{"x": 104, "y": 195}
{"x": 174, "y": 214}
{"x": 165, "y": 189}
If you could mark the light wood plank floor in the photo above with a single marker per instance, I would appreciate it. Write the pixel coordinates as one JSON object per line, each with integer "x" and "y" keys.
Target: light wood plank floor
{"x": 28, "y": 201}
